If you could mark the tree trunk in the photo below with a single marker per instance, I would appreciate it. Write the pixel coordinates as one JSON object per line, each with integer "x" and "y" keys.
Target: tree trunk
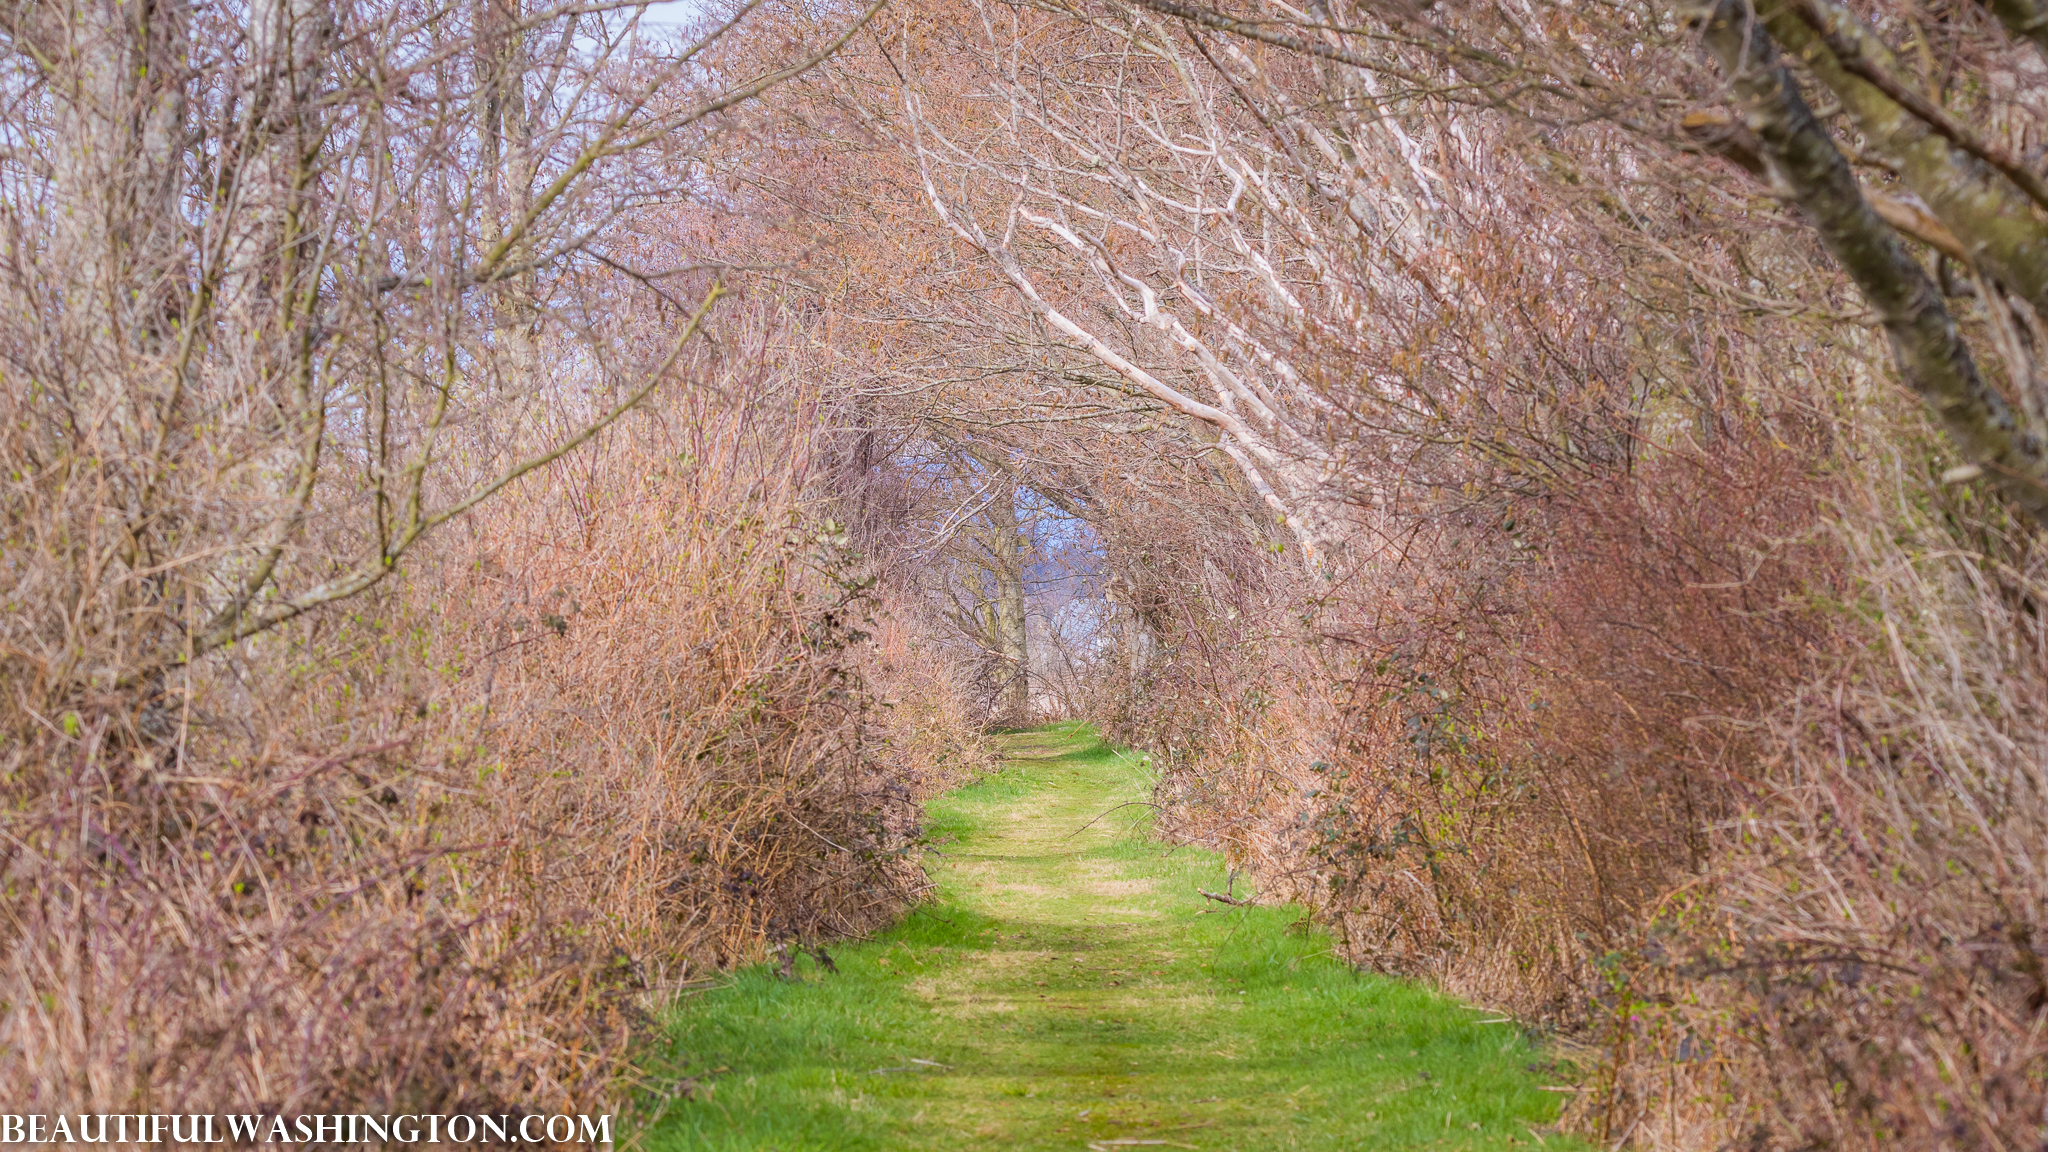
{"x": 504, "y": 137}
{"x": 1926, "y": 345}
{"x": 1015, "y": 697}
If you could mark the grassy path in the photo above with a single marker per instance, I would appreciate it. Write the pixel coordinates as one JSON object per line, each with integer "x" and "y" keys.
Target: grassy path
{"x": 1069, "y": 989}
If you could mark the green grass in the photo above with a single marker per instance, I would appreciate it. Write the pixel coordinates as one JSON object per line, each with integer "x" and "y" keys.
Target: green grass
{"x": 1069, "y": 986}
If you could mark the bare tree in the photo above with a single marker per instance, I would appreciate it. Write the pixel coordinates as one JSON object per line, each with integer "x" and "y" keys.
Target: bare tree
{"x": 290, "y": 288}
{"x": 1428, "y": 274}
{"x": 282, "y": 280}
{"x": 1935, "y": 181}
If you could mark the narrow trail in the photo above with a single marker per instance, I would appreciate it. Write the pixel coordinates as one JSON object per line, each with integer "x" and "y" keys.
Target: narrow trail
{"x": 1070, "y": 989}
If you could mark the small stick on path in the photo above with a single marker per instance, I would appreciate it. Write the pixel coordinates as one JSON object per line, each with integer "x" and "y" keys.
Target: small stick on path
{"x": 1229, "y": 892}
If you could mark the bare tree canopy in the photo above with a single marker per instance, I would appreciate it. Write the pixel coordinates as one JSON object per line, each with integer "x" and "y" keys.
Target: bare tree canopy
{"x": 1556, "y": 490}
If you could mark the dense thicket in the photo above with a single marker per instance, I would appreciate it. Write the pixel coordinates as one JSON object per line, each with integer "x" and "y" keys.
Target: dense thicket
{"x": 1555, "y": 487}
{"x": 1510, "y": 539}
{"x": 427, "y": 639}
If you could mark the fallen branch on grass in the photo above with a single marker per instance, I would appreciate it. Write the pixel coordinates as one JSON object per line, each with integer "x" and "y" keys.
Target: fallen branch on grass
{"x": 1118, "y": 808}
{"x": 1229, "y": 891}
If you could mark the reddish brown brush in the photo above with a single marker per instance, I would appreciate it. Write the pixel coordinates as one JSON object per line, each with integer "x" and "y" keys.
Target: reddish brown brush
{"x": 437, "y": 854}
{"x": 1863, "y": 969}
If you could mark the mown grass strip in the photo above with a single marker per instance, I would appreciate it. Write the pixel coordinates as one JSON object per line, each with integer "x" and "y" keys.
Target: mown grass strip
{"x": 1069, "y": 988}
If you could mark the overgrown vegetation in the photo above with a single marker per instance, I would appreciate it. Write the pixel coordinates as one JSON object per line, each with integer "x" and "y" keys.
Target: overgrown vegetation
{"x": 345, "y": 770}
{"x": 437, "y": 853}
{"x": 509, "y": 509}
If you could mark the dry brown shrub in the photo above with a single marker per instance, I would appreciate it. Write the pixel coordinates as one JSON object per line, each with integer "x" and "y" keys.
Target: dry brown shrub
{"x": 1862, "y": 968}
{"x": 308, "y": 802}
{"x": 1742, "y": 794}
{"x": 436, "y": 852}
{"x": 1494, "y": 756}
{"x": 1622, "y": 724}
